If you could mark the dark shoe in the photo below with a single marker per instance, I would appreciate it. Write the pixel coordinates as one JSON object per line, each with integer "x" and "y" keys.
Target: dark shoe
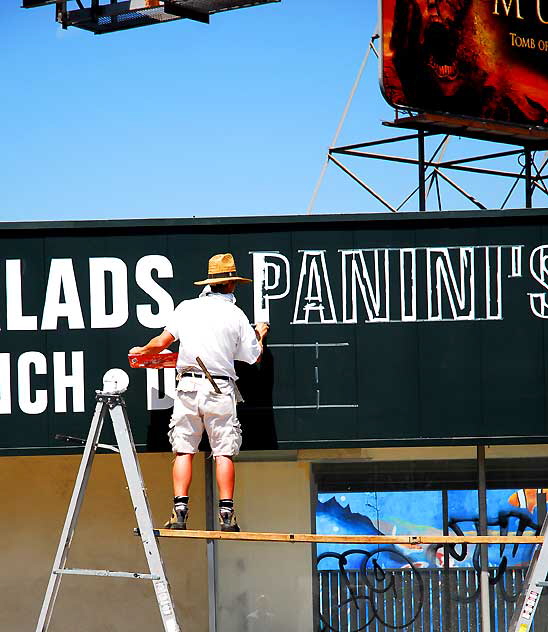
{"x": 227, "y": 520}
{"x": 178, "y": 519}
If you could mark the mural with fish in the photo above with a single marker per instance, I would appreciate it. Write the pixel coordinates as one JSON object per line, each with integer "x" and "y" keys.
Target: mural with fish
{"x": 510, "y": 511}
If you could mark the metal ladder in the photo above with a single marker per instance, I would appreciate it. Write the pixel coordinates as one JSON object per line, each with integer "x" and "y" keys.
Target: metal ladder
{"x": 535, "y": 581}
{"x": 110, "y": 400}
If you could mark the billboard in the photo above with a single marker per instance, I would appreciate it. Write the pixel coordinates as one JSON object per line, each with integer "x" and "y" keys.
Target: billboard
{"x": 385, "y": 330}
{"x": 477, "y": 58}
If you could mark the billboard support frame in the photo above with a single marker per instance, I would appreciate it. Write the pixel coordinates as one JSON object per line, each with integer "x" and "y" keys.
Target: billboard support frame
{"x": 528, "y": 178}
{"x": 530, "y": 173}
{"x": 422, "y": 171}
{"x": 527, "y": 138}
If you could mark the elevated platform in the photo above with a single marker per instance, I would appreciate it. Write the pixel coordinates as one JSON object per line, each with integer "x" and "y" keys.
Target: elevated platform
{"x": 521, "y": 135}
{"x": 200, "y": 10}
{"x": 252, "y": 536}
{"x": 118, "y": 15}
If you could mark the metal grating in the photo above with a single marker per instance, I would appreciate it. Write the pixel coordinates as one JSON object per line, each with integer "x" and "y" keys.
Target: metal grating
{"x": 125, "y": 14}
{"x": 215, "y": 6}
{"x": 110, "y": 23}
{"x": 201, "y": 9}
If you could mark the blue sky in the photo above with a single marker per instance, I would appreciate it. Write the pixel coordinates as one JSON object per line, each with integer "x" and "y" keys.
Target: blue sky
{"x": 185, "y": 119}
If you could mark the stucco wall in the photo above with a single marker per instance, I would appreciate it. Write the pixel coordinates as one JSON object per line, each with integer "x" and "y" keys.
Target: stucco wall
{"x": 257, "y": 583}
{"x": 35, "y": 493}
{"x": 264, "y": 586}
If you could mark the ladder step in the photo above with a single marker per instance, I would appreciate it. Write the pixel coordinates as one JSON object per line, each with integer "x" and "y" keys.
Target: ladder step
{"x": 542, "y": 584}
{"x": 103, "y": 573}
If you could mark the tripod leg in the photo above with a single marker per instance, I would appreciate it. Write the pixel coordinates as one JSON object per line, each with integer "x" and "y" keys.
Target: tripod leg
{"x": 139, "y": 499}
{"x": 72, "y": 516}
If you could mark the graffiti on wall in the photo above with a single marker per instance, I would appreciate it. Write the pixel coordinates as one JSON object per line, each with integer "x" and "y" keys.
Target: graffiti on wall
{"x": 372, "y": 576}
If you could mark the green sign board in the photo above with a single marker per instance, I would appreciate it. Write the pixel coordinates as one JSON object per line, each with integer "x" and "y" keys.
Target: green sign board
{"x": 415, "y": 329}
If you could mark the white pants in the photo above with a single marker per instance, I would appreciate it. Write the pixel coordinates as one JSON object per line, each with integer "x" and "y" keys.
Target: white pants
{"x": 198, "y": 406}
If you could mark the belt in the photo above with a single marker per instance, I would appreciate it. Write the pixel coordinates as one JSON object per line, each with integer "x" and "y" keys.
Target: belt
{"x": 215, "y": 377}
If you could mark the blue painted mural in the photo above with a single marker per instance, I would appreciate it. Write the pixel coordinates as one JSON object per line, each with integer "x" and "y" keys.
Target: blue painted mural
{"x": 510, "y": 511}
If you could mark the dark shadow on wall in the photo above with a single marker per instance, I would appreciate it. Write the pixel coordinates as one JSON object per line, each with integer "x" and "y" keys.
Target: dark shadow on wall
{"x": 256, "y": 413}
{"x": 158, "y": 426}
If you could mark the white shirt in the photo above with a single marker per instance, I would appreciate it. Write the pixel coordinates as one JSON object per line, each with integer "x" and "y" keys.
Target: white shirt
{"x": 215, "y": 329}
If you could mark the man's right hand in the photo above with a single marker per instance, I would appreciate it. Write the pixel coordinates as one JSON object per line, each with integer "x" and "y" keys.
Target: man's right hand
{"x": 155, "y": 345}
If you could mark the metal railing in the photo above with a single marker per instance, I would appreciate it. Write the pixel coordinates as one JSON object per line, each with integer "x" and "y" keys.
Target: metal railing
{"x": 417, "y": 600}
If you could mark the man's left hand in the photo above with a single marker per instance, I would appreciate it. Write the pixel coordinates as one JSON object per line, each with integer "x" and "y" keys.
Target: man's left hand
{"x": 261, "y": 329}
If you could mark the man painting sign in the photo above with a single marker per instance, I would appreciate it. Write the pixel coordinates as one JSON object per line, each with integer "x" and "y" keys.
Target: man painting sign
{"x": 212, "y": 332}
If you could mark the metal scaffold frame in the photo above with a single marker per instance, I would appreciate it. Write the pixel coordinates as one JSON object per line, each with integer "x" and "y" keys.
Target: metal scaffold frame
{"x": 107, "y": 16}
{"x": 525, "y": 142}
{"x": 530, "y": 171}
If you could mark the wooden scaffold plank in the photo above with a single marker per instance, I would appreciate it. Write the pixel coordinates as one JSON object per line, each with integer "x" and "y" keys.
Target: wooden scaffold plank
{"x": 252, "y": 536}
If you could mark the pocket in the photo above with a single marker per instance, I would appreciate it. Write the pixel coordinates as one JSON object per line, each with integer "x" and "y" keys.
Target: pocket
{"x": 221, "y": 401}
{"x": 225, "y": 388}
{"x": 186, "y": 385}
{"x": 237, "y": 434}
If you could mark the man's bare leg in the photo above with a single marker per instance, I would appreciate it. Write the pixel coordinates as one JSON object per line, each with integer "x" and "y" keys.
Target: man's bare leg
{"x": 224, "y": 469}
{"x": 182, "y": 477}
{"x": 182, "y": 474}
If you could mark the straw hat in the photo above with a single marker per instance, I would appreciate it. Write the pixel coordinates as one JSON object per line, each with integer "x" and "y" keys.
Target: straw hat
{"x": 220, "y": 269}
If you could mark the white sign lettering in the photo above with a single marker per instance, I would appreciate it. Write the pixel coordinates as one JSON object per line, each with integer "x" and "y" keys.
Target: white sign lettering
{"x": 5, "y": 384}
{"x": 35, "y": 401}
{"x": 32, "y": 403}
{"x": 101, "y": 317}
{"x": 368, "y": 272}
{"x": 64, "y": 380}
{"x": 539, "y": 271}
{"x": 444, "y": 285}
{"x": 61, "y": 281}
{"x": 14, "y": 299}
{"x": 160, "y": 388}
{"x": 314, "y": 300}
{"x": 454, "y": 283}
{"x": 143, "y": 277}
{"x": 267, "y": 276}
{"x": 311, "y": 287}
